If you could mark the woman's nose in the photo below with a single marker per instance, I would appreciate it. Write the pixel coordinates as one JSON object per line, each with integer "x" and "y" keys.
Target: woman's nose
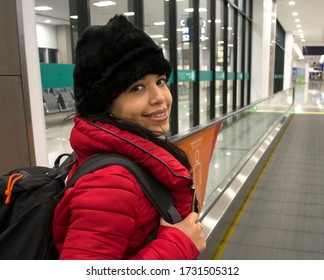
{"x": 156, "y": 94}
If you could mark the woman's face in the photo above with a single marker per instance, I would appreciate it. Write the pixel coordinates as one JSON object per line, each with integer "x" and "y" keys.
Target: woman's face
{"x": 146, "y": 102}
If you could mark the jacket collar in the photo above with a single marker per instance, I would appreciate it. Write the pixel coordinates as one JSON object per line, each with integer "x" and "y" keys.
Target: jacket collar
{"x": 87, "y": 139}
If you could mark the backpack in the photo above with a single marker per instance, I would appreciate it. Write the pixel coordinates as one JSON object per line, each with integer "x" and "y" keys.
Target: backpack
{"x": 29, "y": 195}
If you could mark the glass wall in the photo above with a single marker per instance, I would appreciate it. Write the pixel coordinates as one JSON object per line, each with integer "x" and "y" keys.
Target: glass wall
{"x": 279, "y": 58}
{"x": 209, "y": 42}
{"x": 156, "y": 24}
{"x": 240, "y": 56}
{"x": 231, "y": 94}
{"x": 205, "y": 73}
{"x": 186, "y": 73}
{"x": 100, "y": 14}
{"x": 247, "y": 55}
{"x": 220, "y": 74}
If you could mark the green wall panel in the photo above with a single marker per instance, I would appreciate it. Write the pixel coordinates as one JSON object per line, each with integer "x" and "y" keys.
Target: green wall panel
{"x": 56, "y": 75}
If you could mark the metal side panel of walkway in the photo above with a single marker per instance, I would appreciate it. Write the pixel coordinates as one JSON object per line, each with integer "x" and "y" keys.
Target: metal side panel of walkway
{"x": 284, "y": 217}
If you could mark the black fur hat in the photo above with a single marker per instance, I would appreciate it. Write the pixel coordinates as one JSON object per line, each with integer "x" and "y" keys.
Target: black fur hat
{"x": 109, "y": 59}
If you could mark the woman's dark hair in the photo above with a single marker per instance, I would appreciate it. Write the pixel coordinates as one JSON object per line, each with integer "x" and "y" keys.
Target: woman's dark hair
{"x": 139, "y": 130}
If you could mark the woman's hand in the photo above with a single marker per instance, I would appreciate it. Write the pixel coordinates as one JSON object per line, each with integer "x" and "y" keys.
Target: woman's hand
{"x": 191, "y": 228}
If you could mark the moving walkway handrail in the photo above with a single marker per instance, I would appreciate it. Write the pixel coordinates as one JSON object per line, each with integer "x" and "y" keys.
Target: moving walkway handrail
{"x": 198, "y": 128}
{"x": 215, "y": 219}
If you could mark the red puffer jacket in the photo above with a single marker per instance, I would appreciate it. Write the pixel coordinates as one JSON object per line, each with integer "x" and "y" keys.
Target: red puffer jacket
{"x": 106, "y": 214}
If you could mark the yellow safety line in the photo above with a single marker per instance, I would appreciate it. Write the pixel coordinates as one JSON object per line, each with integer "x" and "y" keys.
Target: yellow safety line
{"x": 249, "y": 196}
{"x": 308, "y": 113}
{"x": 307, "y": 106}
{"x": 293, "y": 112}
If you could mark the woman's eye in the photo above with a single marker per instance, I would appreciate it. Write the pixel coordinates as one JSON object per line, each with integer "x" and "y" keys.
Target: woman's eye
{"x": 136, "y": 88}
{"x": 162, "y": 82}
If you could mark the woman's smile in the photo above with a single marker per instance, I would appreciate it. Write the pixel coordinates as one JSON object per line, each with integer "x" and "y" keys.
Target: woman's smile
{"x": 158, "y": 116}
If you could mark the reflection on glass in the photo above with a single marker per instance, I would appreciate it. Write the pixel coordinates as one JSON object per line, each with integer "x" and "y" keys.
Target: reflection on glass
{"x": 219, "y": 57}
{"x": 205, "y": 71}
{"x": 100, "y": 14}
{"x": 239, "y": 137}
{"x": 186, "y": 74}
{"x": 230, "y": 59}
{"x": 239, "y": 75}
{"x": 246, "y": 71}
{"x": 155, "y": 24}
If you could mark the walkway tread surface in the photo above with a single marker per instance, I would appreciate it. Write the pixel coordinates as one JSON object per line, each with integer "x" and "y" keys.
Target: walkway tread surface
{"x": 285, "y": 217}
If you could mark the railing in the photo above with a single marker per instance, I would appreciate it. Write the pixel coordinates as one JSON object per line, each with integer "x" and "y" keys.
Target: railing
{"x": 241, "y": 134}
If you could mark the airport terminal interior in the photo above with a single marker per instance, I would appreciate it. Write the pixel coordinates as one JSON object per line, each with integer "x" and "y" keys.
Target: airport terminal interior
{"x": 259, "y": 79}
{"x": 284, "y": 218}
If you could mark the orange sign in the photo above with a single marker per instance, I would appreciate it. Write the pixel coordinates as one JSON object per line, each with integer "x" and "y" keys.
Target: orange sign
{"x": 199, "y": 148}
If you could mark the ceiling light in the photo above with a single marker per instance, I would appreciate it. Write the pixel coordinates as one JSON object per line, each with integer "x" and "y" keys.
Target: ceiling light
{"x": 291, "y": 3}
{"x": 298, "y": 52}
{"x": 129, "y": 14}
{"x": 190, "y": 10}
{"x": 321, "y": 59}
{"x": 203, "y": 38}
{"x": 43, "y": 8}
{"x": 297, "y": 20}
{"x": 295, "y": 14}
{"x": 159, "y": 23}
{"x": 156, "y": 36}
{"x": 47, "y": 21}
{"x": 74, "y": 17}
{"x": 299, "y": 26}
{"x": 104, "y": 3}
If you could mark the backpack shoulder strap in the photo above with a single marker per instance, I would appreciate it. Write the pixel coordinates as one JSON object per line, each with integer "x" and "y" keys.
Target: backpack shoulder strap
{"x": 160, "y": 196}
{"x": 64, "y": 167}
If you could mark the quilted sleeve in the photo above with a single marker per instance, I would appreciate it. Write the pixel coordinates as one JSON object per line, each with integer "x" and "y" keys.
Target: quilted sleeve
{"x": 170, "y": 244}
{"x": 102, "y": 216}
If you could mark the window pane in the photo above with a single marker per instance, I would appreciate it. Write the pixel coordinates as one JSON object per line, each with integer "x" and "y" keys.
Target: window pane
{"x": 239, "y": 74}
{"x": 230, "y": 59}
{"x": 52, "y": 55}
{"x": 219, "y": 56}
{"x": 101, "y": 15}
{"x": 205, "y": 71}
{"x": 186, "y": 74}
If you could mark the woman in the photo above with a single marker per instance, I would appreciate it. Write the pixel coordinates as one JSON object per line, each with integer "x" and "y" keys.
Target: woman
{"x": 120, "y": 84}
